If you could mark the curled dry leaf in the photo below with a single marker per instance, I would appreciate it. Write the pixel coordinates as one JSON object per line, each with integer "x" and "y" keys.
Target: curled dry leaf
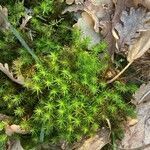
{"x": 132, "y": 24}
{"x": 139, "y": 47}
{"x": 10, "y": 130}
{"x": 5, "y": 69}
{"x": 98, "y": 10}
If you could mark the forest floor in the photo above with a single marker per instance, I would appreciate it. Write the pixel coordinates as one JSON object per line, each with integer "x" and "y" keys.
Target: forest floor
{"x": 75, "y": 75}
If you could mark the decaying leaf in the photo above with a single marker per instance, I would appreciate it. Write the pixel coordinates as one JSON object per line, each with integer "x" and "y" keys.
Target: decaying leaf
{"x": 85, "y": 23}
{"x": 137, "y": 136}
{"x": 3, "y": 24}
{"x": 143, "y": 94}
{"x": 98, "y": 10}
{"x": 10, "y": 130}
{"x": 132, "y": 24}
{"x": 97, "y": 142}
{"x": 5, "y": 69}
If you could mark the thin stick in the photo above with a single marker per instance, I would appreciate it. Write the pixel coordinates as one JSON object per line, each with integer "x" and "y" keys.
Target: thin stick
{"x": 118, "y": 75}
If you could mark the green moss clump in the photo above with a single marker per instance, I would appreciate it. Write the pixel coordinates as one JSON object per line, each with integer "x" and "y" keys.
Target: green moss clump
{"x": 65, "y": 96}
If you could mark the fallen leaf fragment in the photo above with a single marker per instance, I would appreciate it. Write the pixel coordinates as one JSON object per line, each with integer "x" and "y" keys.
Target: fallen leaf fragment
{"x": 14, "y": 145}
{"x": 10, "y": 130}
{"x": 132, "y": 121}
{"x": 131, "y": 24}
{"x": 5, "y": 69}
{"x": 97, "y": 142}
{"x": 137, "y": 136}
{"x": 69, "y": 2}
{"x": 85, "y": 24}
{"x": 139, "y": 47}
{"x": 96, "y": 9}
{"x": 3, "y": 24}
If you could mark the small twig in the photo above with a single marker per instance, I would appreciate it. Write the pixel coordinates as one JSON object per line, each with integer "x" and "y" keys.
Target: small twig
{"x": 118, "y": 75}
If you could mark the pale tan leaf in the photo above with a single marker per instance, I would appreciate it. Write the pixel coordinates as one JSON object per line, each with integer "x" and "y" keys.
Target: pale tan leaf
{"x": 69, "y": 2}
{"x": 132, "y": 121}
{"x": 139, "y": 47}
{"x": 5, "y": 69}
{"x": 10, "y": 130}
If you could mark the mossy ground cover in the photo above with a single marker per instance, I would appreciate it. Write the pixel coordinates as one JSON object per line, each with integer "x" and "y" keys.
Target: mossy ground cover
{"x": 65, "y": 95}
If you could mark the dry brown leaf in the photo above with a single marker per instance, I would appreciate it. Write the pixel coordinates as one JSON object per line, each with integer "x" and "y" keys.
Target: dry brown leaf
{"x": 96, "y": 9}
{"x": 5, "y": 69}
{"x": 137, "y": 136}
{"x": 10, "y": 130}
{"x": 97, "y": 142}
{"x": 131, "y": 24}
{"x": 139, "y": 47}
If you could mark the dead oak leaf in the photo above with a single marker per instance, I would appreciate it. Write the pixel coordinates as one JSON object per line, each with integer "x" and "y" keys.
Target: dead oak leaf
{"x": 131, "y": 24}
